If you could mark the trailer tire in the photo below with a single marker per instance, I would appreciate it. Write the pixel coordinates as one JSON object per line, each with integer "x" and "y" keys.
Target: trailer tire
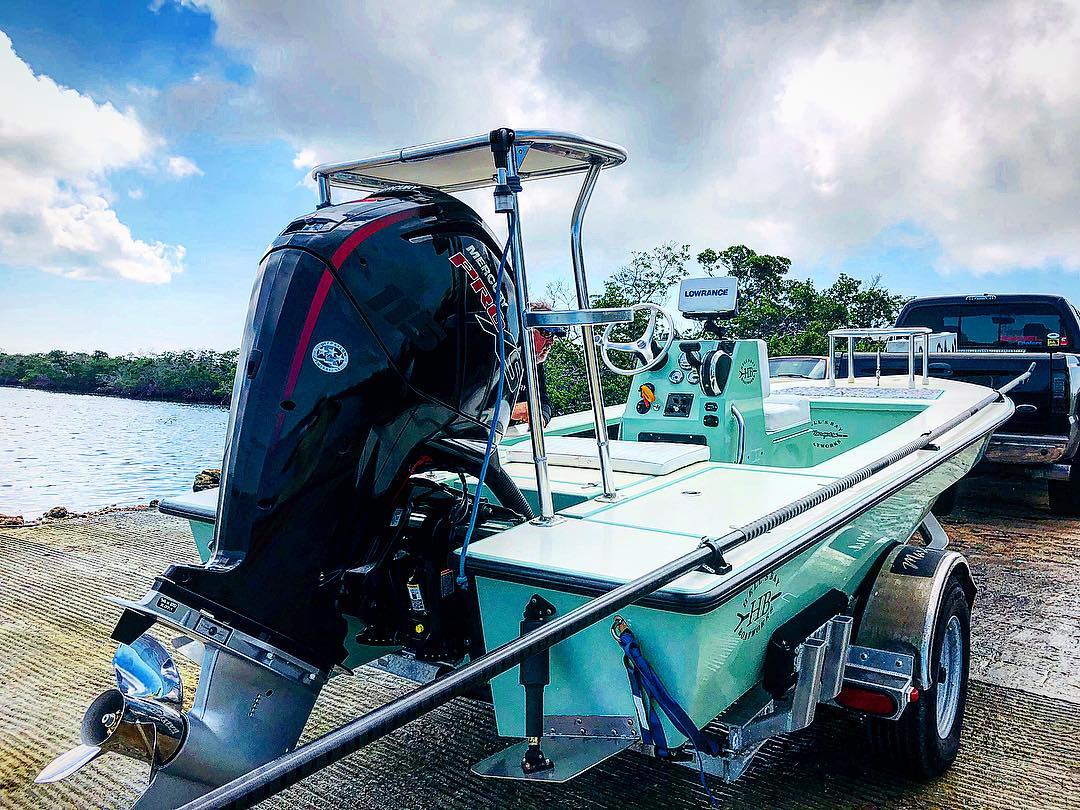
{"x": 915, "y": 743}
{"x": 1064, "y": 497}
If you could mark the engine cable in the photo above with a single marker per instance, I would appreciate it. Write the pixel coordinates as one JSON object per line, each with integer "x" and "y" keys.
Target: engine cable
{"x": 500, "y": 342}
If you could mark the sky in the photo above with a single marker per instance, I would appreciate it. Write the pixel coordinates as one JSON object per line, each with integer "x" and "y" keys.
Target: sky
{"x": 150, "y": 151}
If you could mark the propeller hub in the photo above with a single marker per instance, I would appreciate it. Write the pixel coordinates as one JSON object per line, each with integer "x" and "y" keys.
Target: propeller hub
{"x": 140, "y": 718}
{"x": 144, "y": 729}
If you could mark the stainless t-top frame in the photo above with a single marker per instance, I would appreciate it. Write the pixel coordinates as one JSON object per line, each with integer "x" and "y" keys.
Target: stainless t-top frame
{"x": 912, "y": 333}
{"x": 467, "y": 163}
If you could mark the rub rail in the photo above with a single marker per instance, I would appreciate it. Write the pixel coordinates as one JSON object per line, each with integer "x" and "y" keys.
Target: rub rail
{"x": 290, "y": 768}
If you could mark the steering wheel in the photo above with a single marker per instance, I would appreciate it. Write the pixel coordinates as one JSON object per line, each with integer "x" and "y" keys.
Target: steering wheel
{"x": 641, "y": 348}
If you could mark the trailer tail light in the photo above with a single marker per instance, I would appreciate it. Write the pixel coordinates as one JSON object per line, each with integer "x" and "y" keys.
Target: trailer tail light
{"x": 867, "y": 700}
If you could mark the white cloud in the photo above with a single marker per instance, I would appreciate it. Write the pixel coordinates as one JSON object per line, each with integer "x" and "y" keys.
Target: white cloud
{"x": 305, "y": 159}
{"x": 809, "y": 129}
{"x": 56, "y": 147}
{"x": 136, "y": 193}
{"x": 180, "y": 166}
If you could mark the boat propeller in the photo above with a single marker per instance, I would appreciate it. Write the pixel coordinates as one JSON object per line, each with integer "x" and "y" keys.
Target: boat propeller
{"x": 140, "y": 718}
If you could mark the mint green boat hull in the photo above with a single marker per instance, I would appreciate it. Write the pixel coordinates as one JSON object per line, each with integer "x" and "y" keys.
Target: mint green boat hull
{"x": 707, "y": 661}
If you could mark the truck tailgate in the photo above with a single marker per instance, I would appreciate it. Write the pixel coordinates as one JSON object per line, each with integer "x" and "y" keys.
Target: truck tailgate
{"x": 989, "y": 369}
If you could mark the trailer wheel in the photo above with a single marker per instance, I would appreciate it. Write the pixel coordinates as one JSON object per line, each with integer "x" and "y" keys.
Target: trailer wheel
{"x": 925, "y": 740}
{"x": 1064, "y": 497}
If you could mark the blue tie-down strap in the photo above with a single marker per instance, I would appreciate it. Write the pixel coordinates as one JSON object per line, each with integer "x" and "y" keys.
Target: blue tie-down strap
{"x": 652, "y": 730}
{"x": 650, "y": 692}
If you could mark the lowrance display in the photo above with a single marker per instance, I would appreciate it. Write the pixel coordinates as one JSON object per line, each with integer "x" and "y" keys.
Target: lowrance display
{"x": 708, "y": 296}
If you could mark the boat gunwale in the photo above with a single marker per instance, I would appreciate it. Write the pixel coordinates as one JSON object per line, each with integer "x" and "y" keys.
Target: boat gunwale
{"x": 728, "y": 585}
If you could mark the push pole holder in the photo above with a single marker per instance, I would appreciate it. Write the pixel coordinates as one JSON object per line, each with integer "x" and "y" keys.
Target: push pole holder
{"x": 716, "y": 564}
{"x": 506, "y": 184}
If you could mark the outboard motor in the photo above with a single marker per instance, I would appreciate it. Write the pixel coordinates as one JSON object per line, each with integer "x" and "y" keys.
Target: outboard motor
{"x": 367, "y": 339}
{"x": 370, "y": 343}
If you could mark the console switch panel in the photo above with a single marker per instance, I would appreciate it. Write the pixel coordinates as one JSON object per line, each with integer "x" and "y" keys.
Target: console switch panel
{"x": 678, "y": 404}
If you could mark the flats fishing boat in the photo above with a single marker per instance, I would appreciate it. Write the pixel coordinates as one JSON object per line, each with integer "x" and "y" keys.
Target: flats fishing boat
{"x": 686, "y": 575}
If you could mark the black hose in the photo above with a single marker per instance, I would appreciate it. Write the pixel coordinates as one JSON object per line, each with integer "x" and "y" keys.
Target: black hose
{"x": 498, "y": 481}
{"x": 508, "y": 493}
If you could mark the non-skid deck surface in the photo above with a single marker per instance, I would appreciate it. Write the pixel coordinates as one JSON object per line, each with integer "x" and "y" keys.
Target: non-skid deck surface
{"x": 1020, "y": 748}
{"x": 656, "y": 521}
{"x": 860, "y": 392}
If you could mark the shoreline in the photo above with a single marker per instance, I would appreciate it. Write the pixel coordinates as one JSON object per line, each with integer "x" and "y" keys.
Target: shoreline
{"x": 108, "y": 395}
{"x": 206, "y": 479}
{"x": 61, "y": 513}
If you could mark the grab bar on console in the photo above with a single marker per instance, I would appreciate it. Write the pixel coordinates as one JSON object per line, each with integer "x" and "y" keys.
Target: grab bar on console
{"x": 742, "y": 434}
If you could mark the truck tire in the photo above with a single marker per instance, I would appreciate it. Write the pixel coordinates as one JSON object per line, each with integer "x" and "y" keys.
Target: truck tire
{"x": 924, "y": 742}
{"x": 1064, "y": 497}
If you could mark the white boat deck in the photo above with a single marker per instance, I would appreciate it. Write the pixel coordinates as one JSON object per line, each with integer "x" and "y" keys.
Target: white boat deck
{"x": 647, "y": 458}
{"x": 663, "y": 516}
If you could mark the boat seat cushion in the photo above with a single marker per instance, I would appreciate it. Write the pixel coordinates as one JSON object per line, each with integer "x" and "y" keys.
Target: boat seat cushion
{"x": 649, "y": 458}
{"x": 784, "y": 411}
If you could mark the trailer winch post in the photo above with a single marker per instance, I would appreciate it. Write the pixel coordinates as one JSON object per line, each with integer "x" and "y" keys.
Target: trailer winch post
{"x": 290, "y": 768}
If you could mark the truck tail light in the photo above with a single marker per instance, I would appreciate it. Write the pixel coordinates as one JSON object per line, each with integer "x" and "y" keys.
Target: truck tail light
{"x": 1059, "y": 392}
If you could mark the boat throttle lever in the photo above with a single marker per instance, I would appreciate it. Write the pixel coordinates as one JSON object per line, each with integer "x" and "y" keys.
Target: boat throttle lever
{"x": 690, "y": 349}
{"x": 535, "y": 675}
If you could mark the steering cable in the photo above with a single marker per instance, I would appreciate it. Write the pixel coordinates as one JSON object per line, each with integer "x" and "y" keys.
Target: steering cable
{"x": 500, "y": 342}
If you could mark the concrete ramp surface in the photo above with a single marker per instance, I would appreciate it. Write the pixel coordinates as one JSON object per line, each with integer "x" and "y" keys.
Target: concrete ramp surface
{"x": 1021, "y": 747}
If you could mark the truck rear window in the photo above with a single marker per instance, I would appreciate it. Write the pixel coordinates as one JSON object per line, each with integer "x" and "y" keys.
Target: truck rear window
{"x": 995, "y": 326}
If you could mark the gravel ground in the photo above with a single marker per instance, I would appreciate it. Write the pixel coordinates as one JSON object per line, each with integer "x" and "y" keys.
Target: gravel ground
{"x": 1022, "y": 737}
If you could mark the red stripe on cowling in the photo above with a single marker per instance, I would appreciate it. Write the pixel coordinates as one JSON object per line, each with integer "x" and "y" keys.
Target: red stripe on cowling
{"x": 352, "y": 241}
{"x": 363, "y": 232}
{"x": 317, "y": 301}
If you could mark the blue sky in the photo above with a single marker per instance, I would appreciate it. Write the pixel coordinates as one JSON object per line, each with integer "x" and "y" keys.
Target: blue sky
{"x": 876, "y": 141}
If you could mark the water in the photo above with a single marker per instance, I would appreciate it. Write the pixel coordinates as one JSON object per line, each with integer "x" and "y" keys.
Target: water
{"x": 86, "y": 452}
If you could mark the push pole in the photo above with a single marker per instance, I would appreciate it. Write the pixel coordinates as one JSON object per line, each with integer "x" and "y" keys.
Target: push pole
{"x": 290, "y": 768}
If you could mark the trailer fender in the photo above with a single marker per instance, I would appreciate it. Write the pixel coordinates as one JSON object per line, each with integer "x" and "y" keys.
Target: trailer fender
{"x": 903, "y": 604}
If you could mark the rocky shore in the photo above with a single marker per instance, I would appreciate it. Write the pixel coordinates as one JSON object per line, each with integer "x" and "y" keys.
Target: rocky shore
{"x": 207, "y": 479}
{"x": 58, "y": 513}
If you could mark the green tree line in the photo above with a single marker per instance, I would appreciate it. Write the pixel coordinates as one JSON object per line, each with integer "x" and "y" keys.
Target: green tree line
{"x": 201, "y": 376}
{"x": 792, "y": 315}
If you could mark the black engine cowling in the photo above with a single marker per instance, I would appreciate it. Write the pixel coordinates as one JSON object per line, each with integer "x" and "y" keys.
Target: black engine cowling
{"x": 369, "y": 336}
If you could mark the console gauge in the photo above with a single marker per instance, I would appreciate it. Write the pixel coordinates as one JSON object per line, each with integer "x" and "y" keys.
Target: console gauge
{"x": 684, "y": 363}
{"x": 675, "y": 377}
{"x": 693, "y": 378}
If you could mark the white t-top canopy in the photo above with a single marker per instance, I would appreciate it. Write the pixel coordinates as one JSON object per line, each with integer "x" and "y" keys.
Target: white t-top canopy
{"x": 466, "y": 163}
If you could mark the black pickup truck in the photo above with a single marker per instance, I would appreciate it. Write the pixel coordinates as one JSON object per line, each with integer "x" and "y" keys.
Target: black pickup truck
{"x": 997, "y": 338}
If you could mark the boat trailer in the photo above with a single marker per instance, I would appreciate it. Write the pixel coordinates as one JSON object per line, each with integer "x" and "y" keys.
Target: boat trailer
{"x": 748, "y": 724}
